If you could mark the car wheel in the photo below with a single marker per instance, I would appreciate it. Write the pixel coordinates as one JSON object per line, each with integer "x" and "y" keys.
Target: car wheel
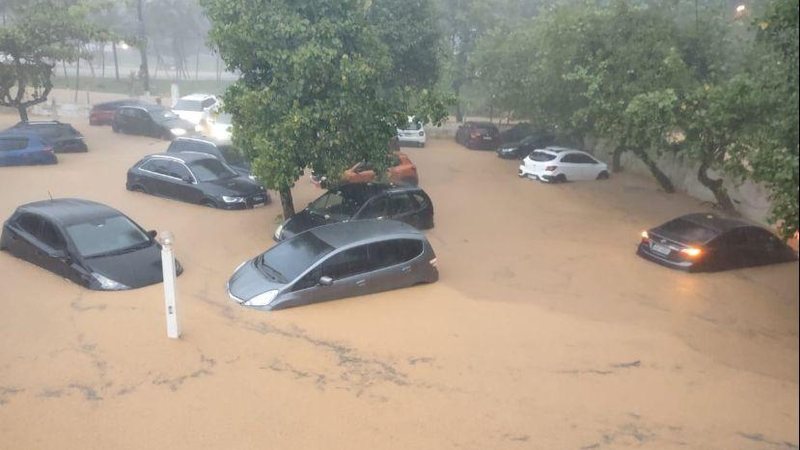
{"x": 561, "y": 178}
{"x": 209, "y": 203}
{"x": 603, "y": 175}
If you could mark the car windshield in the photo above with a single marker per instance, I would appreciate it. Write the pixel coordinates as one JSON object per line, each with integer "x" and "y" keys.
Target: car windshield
{"x": 687, "y": 231}
{"x": 234, "y": 156}
{"x": 162, "y": 115}
{"x": 211, "y": 170}
{"x": 542, "y": 156}
{"x": 287, "y": 260}
{"x": 337, "y": 205}
{"x": 107, "y": 236}
{"x": 412, "y": 126}
{"x": 188, "y": 105}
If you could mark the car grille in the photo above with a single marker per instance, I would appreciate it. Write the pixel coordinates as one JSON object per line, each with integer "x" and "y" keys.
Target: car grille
{"x": 257, "y": 199}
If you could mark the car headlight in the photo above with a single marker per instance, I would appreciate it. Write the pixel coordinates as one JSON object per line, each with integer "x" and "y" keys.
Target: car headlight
{"x": 108, "y": 284}
{"x": 262, "y": 299}
{"x": 509, "y": 149}
{"x": 252, "y": 177}
{"x": 177, "y": 131}
{"x": 279, "y": 231}
{"x": 228, "y": 199}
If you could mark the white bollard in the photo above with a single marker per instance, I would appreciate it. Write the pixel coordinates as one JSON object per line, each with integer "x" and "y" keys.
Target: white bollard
{"x": 170, "y": 294}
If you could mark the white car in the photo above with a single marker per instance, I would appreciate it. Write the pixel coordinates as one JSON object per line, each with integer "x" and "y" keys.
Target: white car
{"x": 196, "y": 108}
{"x": 413, "y": 133}
{"x": 560, "y": 164}
{"x": 218, "y": 126}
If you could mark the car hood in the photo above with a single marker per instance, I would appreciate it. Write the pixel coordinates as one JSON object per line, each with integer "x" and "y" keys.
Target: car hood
{"x": 248, "y": 282}
{"x": 302, "y": 221}
{"x": 510, "y": 145}
{"x": 238, "y": 186}
{"x": 136, "y": 269}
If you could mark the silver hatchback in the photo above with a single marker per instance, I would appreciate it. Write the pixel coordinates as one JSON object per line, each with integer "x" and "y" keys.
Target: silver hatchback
{"x": 335, "y": 261}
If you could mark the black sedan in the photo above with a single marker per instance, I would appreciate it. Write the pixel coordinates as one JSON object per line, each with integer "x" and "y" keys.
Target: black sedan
{"x": 708, "y": 242}
{"x": 86, "y": 242}
{"x": 521, "y": 149}
{"x": 151, "y": 120}
{"x": 358, "y": 201}
{"x": 195, "y": 178}
{"x": 63, "y": 137}
{"x": 224, "y": 151}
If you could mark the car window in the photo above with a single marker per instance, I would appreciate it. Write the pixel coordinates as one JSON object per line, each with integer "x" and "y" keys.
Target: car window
{"x": 687, "y": 231}
{"x": 401, "y": 203}
{"x": 542, "y": 156}
{"x": 287, "y": 260}
{"x": 347, "y": 263}
{"x": 584, "y": 159}
{"x": 208, "y": 102}
{"x": 160, "y": 115}
{"x": 211, "y": 170}
{"x": 156, "y": 165}
{"x": 29, "y": 223}
{"x": 393, "y": 252}
{"x": 569, "y": 158}
{"x": 335, "y": 204}
{"x": 50, "y": 235}
{"x": 378, "y": 207}
{"x": 10, "y": 144}
{"x": 421, "y": 200}
{"x": 178, "y": 170}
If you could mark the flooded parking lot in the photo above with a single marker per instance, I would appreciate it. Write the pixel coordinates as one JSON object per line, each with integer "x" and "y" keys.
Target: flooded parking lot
{"x": 544, "y": 331}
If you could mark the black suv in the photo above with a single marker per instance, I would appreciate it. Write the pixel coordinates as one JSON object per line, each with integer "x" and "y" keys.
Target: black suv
{"x": 357, "y": 201}
{"x": 478, "y": 135}
{"x": 62, "y": 136}
{"x": 150, "y": 120}
{"x": 225, "y": 152}
{"x": 195, "y": 178}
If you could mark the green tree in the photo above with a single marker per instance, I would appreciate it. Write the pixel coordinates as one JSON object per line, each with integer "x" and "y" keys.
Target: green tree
{"x": 38, "y": 33}
{"x": 313, "y": 88}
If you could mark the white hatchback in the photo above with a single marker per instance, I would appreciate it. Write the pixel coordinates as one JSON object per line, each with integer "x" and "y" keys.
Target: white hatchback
{"x": 560, "y": 164}
{"x": 413, "y": 133}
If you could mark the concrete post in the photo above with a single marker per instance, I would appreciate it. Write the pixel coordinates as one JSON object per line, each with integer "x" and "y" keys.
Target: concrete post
{"x": 170, "y": 289}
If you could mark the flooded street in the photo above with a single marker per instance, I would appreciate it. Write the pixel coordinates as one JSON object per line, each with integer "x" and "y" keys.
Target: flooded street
{"x": 545, "y": 330}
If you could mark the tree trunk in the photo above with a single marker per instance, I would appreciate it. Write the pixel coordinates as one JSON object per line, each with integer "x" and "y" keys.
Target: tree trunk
{"x": 616, "y": 159}
{"x": 64, "y": 66}
{"x": 197, "y": 64}
{"x": 660, "y": 176}
{"x": 77, "y": 78}
{"x": 23, "y": 113}
{"x": 144, "y": 71}
{"x": 716, "y": 187}
{"x": 287, "y": 203}
{"x": 116, "y": 62}
{"x": 103, "y": 60}
{"x": 459, "y": 112}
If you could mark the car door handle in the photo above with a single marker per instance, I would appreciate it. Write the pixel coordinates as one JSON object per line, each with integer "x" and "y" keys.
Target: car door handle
{"x": 361, "y": 283}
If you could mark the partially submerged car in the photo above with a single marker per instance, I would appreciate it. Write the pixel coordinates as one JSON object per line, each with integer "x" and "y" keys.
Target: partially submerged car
{"x": 103, "y": 113}
{"x": 362, "y": 201}
{"x": 24, "y": 149}
{"x": 335, "y": 261}
{"x": 524, "y": 147}
{"x": 478, "y": 135}
{"x": 401, "y": 172}
{"x": 63, "y": 137}
{"x": 197, "y": 178}
{"x": 413, "y": 133}
{"x": 86, "y": 242}
{"x": 710, "y": 242}
{"x": 560, "y": 164}
{"x": 151, "y": 120}
{"x": 224, "y": 151}
{"x": 196, "y": 108}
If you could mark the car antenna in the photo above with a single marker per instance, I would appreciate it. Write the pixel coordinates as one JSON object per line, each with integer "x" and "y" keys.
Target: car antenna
{"x": 51, "y": 195}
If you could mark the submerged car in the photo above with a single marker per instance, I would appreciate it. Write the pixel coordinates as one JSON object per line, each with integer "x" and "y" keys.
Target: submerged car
{"x": 150, "y": 120}
{"x": 362, "y": 201}
{"x": 224, "y": 151}
{"x": 86, "y": 242}
{"x": 103, "y": 113}
{"x": 196, "y": 108}
{"x": 413, "y": 133}
{"x": 560, "y": 164}
{"x": 197, "y": 178}
{"x": 478, "y": 135}
{"x": 335, "y": 261}
{"x": 24, "y": 149}
{"x": 709, "y": 242}
{"x": 63, "y": 137}
{"x": 524, "y": 147}
{"x": 401, "y": 172}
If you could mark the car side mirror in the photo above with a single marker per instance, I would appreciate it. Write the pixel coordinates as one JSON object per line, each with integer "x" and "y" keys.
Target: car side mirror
{"x": 325, "y": 281}
{"x": 152, "y": 234}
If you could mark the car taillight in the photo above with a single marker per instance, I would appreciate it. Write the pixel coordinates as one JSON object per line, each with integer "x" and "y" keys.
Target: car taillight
{"x": 692, "y": 252}
{"x": 550, "y": 168}
{"x": 645, "y": 236}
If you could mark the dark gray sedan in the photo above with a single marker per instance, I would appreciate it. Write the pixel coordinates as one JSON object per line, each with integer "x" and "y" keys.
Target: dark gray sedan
{"x": 335, "y": 261}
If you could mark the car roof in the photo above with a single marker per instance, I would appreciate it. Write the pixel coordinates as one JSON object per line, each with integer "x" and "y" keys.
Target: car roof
{"x": 557, "y": 149}
{"x": 39, "y": 123}
{"x": 68, "y": 211}
{"x": 185, "y": 157}
{"x": 372, "y": 189}
{"x": 203, "y": 139}
{"x": 13, "y": 133}
{"x": 123, "y": 102}
{"x": 717, "y": 222}
{"x": 343, "y": 234}
{"x": 196, "y": 96}
{"x": 145, "y": 106}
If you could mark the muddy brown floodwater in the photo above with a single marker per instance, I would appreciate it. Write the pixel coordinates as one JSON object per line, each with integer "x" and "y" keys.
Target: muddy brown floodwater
{"x": 545, "y": 330}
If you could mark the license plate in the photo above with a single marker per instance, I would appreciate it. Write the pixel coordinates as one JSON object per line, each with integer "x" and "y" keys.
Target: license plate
{"x": 660, "y": 249}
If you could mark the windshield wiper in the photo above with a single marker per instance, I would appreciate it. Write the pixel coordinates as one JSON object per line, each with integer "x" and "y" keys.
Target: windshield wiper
{"x": 121, "y": 251}
{"x": 270, "y": 272}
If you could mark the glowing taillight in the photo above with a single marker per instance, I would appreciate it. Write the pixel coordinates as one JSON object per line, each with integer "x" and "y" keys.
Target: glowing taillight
{"x": 691, "y": 252}
{"x": 645, "y": 236}
{"x": 550, "y": 168}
